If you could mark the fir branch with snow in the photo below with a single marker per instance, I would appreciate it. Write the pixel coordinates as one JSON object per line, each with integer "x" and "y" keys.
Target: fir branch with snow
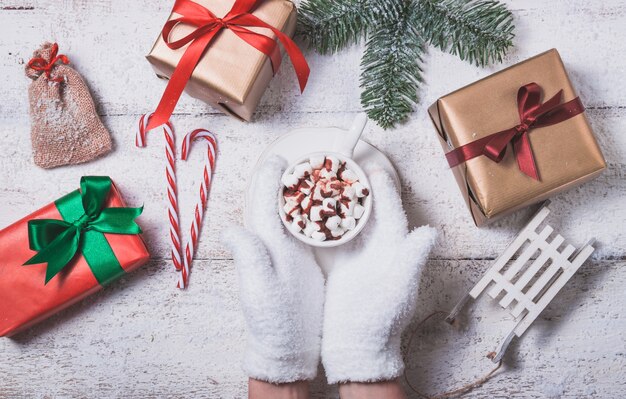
{"x": 396, "y": 34}
{"x": 330, "y": 25}
{"x": 390, "y": 68}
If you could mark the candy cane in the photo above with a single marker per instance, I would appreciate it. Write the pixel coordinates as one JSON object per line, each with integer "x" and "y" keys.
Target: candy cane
{"x": 172, "y": 191}
{"x": 205, "y": 186}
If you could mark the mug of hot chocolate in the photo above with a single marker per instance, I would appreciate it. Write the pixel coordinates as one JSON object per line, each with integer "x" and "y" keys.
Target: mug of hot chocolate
{"x": 325, "y": 199}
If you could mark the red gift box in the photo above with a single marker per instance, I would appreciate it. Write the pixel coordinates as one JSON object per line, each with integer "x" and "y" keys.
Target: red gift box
{"x": 26, "y": 298}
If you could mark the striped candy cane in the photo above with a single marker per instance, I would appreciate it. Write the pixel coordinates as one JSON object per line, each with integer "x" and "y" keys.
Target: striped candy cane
{"x": 172, "y": 190}
{"x": 205, "y": 186}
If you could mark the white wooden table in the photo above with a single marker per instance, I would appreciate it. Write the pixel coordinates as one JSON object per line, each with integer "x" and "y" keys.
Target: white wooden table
{"x": 141, "y": 337}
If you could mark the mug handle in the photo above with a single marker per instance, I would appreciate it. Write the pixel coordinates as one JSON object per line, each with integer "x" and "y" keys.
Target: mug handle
{"x": 346, "y": 146}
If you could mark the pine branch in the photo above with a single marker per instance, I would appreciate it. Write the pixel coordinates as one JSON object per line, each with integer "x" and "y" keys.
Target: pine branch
{"x": 330, "y": 25}
{"x": 391, "y": 71}
{"x": 478, "y": 31}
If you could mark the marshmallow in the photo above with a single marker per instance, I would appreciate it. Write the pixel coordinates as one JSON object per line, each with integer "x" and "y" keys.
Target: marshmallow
{"x": 346, "y": 210}
{"x": 295, "y": 227}
{"x": 336, "y": 184}
{"x": 349, "y": 176}
{"x": 306, "y": 204}
{"x": 290, "y": 207}
{"x": 331, "y": 164}
{"x": 290, "y": 181}
{"x": 317, "y": 193}
{"x": 359, "y": 210}
{"x": 334, "y": 187}
{"x": 318, "y": 236}
{"x": 306, "y": 187}
{"x": 348, "y": 192}
{"x": 338, "y": 232}
{"x": 317, "y": 162}
{"x": 333, "y": 222}
{"x": 303, "y": 170}
{"x": 316, "y": 175}
{"x": 329, "y": 207}
{"x": 351, "y": 204}
{"x": 329, "y": 203}
{"x": 311, "y": 228}
{"x": 348, "y": 223}
{"x": 316, "y": 213}
{"x": 298, "y": 223}
{"x": 360, "y": 189}
{"x": 327, "y": 174}
{"x": 287, "y": 193}
{"x": 327, "y": 194}
{"x": 294, "y": 197}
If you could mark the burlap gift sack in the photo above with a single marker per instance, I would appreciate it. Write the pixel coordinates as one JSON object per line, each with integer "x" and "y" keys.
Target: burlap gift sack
{"x": 65, "y": 128}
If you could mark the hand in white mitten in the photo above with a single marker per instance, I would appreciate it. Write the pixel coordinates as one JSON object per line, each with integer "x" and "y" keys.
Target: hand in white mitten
{"x": 371, "y": 292}
{"x": 281, "y": 290}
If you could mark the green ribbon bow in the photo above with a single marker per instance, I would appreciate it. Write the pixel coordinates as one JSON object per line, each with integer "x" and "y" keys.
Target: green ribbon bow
{"x": 84, "y": 221}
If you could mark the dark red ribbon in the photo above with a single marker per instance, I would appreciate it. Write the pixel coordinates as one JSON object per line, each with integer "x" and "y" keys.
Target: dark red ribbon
{"x": 41, "y": 64}
{"x": 532, "y": 114}
{"x": 238, "y": 20}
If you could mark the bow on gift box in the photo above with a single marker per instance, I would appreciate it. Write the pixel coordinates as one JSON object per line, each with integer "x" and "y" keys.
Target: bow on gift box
{"x": 207, "y": 26}
{"x": 533, "y": 114}
{"x": 58, "y": 241}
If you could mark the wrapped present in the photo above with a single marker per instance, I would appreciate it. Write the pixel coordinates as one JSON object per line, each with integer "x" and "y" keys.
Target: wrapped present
{"x": 66, "y": 251}
{"x": 224, "y": 52}
{"x": 532, "y": 110}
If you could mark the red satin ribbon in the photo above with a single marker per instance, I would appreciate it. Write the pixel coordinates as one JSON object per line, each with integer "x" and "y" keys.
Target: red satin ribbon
{"x": 533, "y": 114}
{"x": 41, "y": 64}
{"x": 238, "y": 20}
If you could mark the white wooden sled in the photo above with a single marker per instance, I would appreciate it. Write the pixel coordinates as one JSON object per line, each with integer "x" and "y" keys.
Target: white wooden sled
{"x": 526, "y": 286}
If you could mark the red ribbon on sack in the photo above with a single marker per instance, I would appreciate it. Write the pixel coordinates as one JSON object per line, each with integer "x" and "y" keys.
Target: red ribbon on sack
{"x": 41, "y": 64}
{"x": 238, "y": 20}
{"x": 533, "y": 114}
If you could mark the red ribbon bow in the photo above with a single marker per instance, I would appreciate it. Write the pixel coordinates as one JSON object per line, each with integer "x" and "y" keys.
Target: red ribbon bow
{"x": 533, "y": 114}
{"x": 238, "y": 20}
{"x": 41, "y": 64}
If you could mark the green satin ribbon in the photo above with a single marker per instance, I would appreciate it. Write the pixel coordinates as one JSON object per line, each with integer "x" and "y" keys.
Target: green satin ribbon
{"x": 84, "y": 221}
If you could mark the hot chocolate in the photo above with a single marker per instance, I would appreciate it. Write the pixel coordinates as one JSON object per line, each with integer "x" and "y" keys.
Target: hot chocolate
{"x": 324, "y": 199}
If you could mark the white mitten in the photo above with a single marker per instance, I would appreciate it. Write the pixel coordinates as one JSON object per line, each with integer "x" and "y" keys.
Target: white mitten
{"x": 281, "y": 290}
{"x": 372, "y": 291}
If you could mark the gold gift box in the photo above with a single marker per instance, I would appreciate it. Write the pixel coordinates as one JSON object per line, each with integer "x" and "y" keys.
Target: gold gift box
{"x": 231, "y": 75}
{"x": 566, "y": 153}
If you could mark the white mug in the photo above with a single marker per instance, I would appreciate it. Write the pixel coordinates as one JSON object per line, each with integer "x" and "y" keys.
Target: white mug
{"x": 343, "y": 151}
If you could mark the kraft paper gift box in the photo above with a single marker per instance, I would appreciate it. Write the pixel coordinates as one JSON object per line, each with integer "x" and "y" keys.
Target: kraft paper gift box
{"x": 26, "y": 297}
{"x": 232, "y": 75}
{"x": 565, "y": 153}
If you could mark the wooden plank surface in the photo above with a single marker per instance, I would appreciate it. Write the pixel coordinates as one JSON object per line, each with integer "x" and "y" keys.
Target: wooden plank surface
{"x": 143, "y": 338}
{"x": 139, "y": 338}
